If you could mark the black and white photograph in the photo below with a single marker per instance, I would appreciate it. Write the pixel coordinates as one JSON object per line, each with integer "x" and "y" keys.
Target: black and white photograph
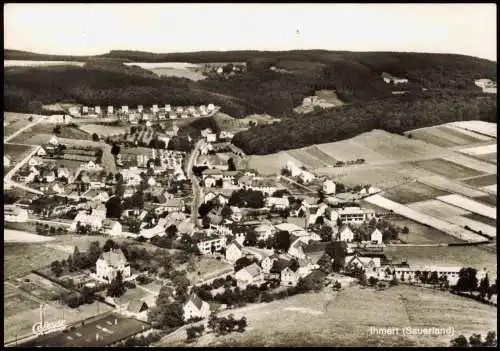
{"x": 250, "y": 174}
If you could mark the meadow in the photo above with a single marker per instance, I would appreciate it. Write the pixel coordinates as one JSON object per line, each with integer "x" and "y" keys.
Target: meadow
{"x": 413, "y": 192}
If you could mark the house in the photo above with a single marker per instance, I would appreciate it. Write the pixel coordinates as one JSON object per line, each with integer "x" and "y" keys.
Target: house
{"x": 53, "y": 141}
{"x": 94, "y": 220}
{"x": 233, "y": 252}
{"x": 389, "y": 79}
{"x": 236, "y": 213}
{"x": 376, "y": 237}
{"x": 249, "y": 275}
{"x": 369, "y": 264}
{"x": 174, "y": 205}
{"x": 91, "y": 165}
{"x": 41, "y": 151}
{"x": 345, "y": 234}
{"x": 206, "y": 243}
{"x": 140, "y": 108}
{"x": 113, "y": 228}
{"x": 110, "y": 110}
{"x": 137, "y": 307}
{"x": 226, "y": 135}
{"x": 278, "y": 202}
{"x": 97, "y": 110}
{"x": 368, "y": 190}
{"x": 354, "y": 215}
{"x": 63, "y": 172}
{"x": 306, "y": 177}
{"x": 155, "y": 109}
{"x": 268, "y": 262}
{"x": 60, "y": 119}
{"x": 278, "y": 265}
{"x": 195, "y": 308}
{"x": 264, "y": 231}
{"x": 209, "y": 196}
{"x": 13, "y": 213}
{"x": 124, "y": 109}
{"x": 289, "y": 277}
{"x": 7, "y": 162}
{"x": 48, "y": 175}
{"x": 329, "y": 187}
{"x": 211, "y": 107}
{"x": 211, "y": 137}
{"x": 58, "y": 189}
{"x": 214, "y": 173}
{"x": 85, "y": 109}
{"x": 109, "y": 263}
{"x": 168, "y": 108}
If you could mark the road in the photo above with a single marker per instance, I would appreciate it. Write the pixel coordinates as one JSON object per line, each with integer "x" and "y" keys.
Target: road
{"x": 296, "y": 183}
{"x": 32, "y": 124}
{"x": 194, "y": 182}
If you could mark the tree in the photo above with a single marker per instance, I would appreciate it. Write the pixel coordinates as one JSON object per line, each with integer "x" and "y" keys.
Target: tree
{"x": 484, "y": 287}
{"x": 212, "y": 321}
{"x": 231, "y": 165}
{"x": 116, "y": 288}
{"x": 475, "y": 340}
{"x": 226, "y": 212}
{"x": 56, "y": 268}
{"x": 491, "y": 339}
{"x": 169, "y": 316}
{"x": 57, "y": 129}
{"x": 467, "y": 280}
{"x": 171, "y": 231}
{"x": 326, "y": 233}
{"x": 337, "y": 285}
{"x": 405, "y": 230}
{"x": 243, "y": 262}
{"x": 460, "y": 341}
{"x": 283, "y": 240}
{"x": 250, "y": 238}
{"x": 242, "y": 324}
{"x": 205, "y": 221}
{"x": 77, "y": 258}
{"x": 110, "y": 244}
{"x": 115, "y": 149}
{"x": 95, "y": 137}
{"x": 114, "y": 207}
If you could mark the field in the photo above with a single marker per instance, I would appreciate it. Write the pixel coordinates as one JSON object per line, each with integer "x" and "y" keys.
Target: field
{"x": 452, "y": 187}
{"x": 271, "y": 164}
{"x": 478, "y": 226}
{"x": 446, "y": 168}
{"x": 438, "y": 209}
{"x": 448, "y": 228}
{"x": 227, "y": 123}
{"x": 491, "y": 189}
{"x": 85, "y": 335}
{"x": 470, "y": 205}
{"x": 445, "y": 136}
{"x": 413, "y": 192}
{"x": 103, "y": 130}
{"x": 480, "y": 127}
{"x": 15, "y": 121}
{"x": 306, "y": 158}
{"x": 487, "y": 199}
{"x": 344, "y": 318}
{"x": 491, "y": 157}
{"x": 42, "y": 132}
{"x": 315, "y": 151}
{"x": 16, "y": 152}
{"x": 480, "y": 150}
{"x": 489, "y": 179}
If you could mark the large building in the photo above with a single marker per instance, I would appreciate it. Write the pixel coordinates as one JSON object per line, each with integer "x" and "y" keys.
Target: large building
{"x": 15, "y": 214}
{"x": 109, "y": 263}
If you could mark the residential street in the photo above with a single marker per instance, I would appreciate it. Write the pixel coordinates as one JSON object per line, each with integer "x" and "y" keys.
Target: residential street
{"x": 194, "y": 182}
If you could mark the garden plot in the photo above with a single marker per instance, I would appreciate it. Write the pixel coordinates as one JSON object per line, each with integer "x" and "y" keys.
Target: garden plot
{"x": 413, "y": 192}
{"x": 446, "y": 168}
{"x": 470, "y": 205}
{"x": 438, "y": 209}
{"x": 478, "y": 182}
{"x": 451, "y": 186}
{"x": 481, "y": 127}
{"x": 480, "y": 150}
{"x": 419, "y": 217}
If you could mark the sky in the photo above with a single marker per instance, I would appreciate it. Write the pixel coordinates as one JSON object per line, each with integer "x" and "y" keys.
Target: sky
{"x": 89, "y": 29}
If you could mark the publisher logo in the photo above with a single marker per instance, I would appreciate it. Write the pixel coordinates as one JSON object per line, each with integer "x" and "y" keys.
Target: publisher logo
{"x": 45, "y": 328}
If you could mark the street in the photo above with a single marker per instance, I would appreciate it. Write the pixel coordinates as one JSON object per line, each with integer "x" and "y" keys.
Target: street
{"x": 8, "y": 177}
{"x": 194, "y": 182}
{"x": 32, "y": 124}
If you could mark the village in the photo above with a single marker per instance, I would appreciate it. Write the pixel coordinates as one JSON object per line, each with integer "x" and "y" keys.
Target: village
{"x": 196, "y": 233}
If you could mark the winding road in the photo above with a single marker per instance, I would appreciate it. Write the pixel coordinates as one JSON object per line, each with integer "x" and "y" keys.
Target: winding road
{"x": 194, "y": 181}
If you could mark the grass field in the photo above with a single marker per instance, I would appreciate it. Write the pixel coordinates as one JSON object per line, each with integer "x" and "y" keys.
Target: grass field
{"x": 444, "y": 136}
{"x": 491, "y": 157}
{"x": 272, "y": 163}
{"x": 446, "y": 168}
{"x": 438, "y": 209}
{"x": 344, "y": 319}
{"x": 481, "y": 181}
{"x": 452, "y": 186}
{"x": 480, "y": 150}
{"x": 485, "y": 229}
{"x": 207, "y": 267}
{"x": 103, "y": 130}
{"x": 16, "y": 152}
{"x": 490, "y": 200}
{"x": 413, "y": 192}
{"x": 176, "y": 72}
{"x": 306, "y": 158}
{"x": 469, "y": 205}
{"x": 315, "y": 151}
{"x": 227, "y": 123}
{"x": 15, "y": 121}
{"x": 480, "y": 127}
{"x": 42, "y": 132}
{"x": 482, "y": 219}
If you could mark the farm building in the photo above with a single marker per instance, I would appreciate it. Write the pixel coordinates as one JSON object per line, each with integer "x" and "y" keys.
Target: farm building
{"x": 389, "y": 79}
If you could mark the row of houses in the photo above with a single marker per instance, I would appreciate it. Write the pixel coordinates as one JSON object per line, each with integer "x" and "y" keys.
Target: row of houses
{"x": 200, "y": 111}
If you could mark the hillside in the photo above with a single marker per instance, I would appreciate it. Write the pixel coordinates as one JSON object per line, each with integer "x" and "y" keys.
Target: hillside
{"x": 355, "y": 77}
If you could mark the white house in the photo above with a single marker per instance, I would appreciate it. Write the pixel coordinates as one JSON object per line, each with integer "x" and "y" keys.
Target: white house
{"x": 14, "y": 213}
{"x": 376, "y": 237}
{"x": 110, "y": 110}
{"x": 264, "y": 231}
{"x": 195, "y": 308}
{"x": 249, "y": 275}
{"x": 109, "y": 263}
{"x": 278, "y": 202}
{"x": 267, "y": 263}
{"x": 125, "y": 109}
{"x": 289, "y": 277}
{"x": 233, "y": 252}
{"x": 60, "y": 119}
{"x": 155, "y": 109}
{"x": 306, "y": 176}
{"x": 168, "y": 108}
{"x": 41, "y": 151}
{"x": 205, "y": 244}
{"x": 140, "y": 108}
{"x": 85, "y": 109}
{"x": 329, "y": 187}
{"x": 7, "y": 161}
{"x": 236, "y": 214}
{"x": 355, "y": 215}
{"x": 226, "y": 135}
{"x": 83, "y": 218}
{"x": 97, "y": 110}
{"x": 53, "y": 141}
{"x": 113, "y": 228}
{"x": 345, "y": 234}
{"x": 211, "y": 107}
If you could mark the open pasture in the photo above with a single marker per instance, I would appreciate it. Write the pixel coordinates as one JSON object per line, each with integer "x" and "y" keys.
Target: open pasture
{"x": 413, "y": 192}
{"x": 446, "y": 168}
{"x": 478, "y": 182}
{"x": 272, "y": 163}
{"x": 477, "y": 226}
{"x": 344, "y": 318}
{"x": 350, "y": 150}
{"x": 480, "y": 127}
{"x": 438, "y": 209}
{"x": 469, "y": 205}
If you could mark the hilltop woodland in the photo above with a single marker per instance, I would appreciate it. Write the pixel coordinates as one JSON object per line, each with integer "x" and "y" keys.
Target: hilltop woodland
{"x": 355, "y": 76}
